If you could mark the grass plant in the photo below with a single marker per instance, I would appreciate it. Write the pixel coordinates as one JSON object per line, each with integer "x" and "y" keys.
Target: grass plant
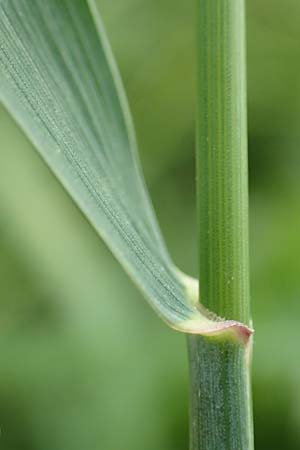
{"x": 59, "y": 81}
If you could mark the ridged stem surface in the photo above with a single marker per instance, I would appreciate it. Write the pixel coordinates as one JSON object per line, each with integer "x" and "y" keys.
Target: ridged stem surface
{"x": 220, "y": 403}
{"x": 222, "y": 159}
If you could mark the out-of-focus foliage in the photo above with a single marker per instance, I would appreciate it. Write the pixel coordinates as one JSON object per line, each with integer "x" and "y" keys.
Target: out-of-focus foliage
{"x": 79, "y": 367}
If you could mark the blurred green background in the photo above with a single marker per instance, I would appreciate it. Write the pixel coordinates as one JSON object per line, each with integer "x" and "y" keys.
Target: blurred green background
{"x": 85, "y": 363}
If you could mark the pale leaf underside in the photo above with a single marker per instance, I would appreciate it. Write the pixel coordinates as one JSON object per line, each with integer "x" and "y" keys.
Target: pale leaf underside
{"x": 60, "y": 83}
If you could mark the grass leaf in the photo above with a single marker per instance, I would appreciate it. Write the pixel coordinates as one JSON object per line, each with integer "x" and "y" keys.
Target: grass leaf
{"x": 59, "y": 81}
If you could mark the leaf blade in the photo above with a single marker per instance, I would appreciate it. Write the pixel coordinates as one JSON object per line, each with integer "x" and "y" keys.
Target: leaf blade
{"x": 59, "y": 81}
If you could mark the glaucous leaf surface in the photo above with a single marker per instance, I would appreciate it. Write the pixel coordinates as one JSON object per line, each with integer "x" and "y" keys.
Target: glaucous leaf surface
{"x": 59, "y": 81}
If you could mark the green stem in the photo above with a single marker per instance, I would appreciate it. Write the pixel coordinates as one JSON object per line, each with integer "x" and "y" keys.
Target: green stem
{"x": 220, "y": 401}
{"x": 222, "y": 159}
{"x": 220, "y": 404}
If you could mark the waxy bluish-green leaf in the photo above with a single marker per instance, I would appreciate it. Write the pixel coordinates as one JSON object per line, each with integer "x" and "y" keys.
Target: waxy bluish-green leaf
{"x": 59, "y": 81}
